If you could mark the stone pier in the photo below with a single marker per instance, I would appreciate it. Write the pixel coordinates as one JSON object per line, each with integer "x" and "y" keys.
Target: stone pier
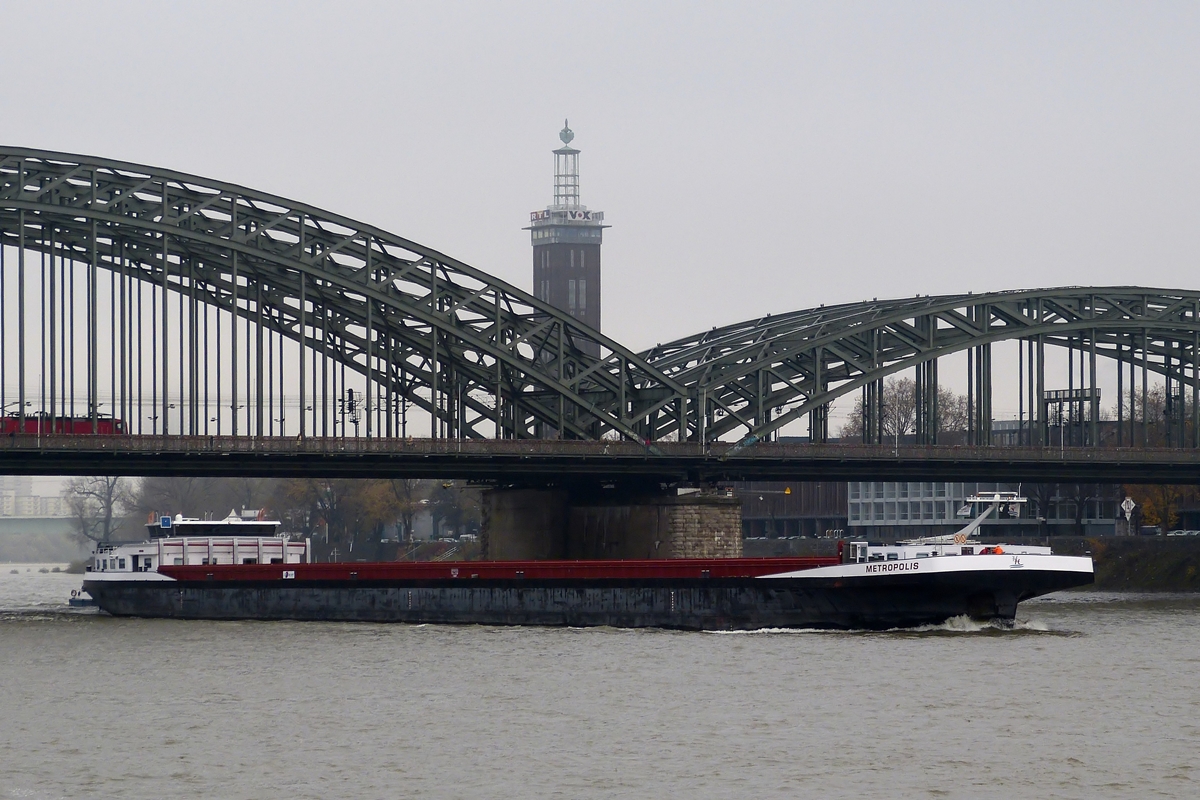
{"x": 534, "y": 524}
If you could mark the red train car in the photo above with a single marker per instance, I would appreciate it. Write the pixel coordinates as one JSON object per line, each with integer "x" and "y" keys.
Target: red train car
{"x": 78, "y": 426}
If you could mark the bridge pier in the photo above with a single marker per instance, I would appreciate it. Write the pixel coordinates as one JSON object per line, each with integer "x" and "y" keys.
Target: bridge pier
{"x": 537, "y": 524}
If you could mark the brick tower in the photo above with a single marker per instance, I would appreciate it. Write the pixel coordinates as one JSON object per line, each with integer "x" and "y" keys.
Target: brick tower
{"x": 566, "y": 239}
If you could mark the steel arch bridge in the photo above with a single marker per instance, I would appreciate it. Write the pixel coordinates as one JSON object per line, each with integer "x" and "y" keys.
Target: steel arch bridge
{"x": 477, "y": 355}
{"x": 756, "y": 376}
{"x": 184, "y": 305}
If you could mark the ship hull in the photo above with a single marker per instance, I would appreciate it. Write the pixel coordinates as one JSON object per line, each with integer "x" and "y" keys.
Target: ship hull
{"x": 867, "y": 602}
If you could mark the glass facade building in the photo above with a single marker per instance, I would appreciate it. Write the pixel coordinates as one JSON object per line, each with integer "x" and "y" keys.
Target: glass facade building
{"x": 910, "y": 510}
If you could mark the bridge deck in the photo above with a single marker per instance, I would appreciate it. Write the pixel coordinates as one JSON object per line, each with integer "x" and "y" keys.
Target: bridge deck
{"x": 553, "y": 461}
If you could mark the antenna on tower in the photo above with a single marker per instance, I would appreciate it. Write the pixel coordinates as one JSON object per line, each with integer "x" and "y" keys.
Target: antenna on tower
{"x": 566, "y": 170}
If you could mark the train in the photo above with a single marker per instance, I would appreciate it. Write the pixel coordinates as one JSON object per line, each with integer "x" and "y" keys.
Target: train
{"x": 44, "y": 425}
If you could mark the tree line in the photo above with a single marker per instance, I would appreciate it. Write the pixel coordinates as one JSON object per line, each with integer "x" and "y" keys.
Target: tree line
{"x": 345, "y": 514}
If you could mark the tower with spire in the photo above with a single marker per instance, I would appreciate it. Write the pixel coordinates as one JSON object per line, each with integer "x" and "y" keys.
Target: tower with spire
{"x": 566, "y": 239}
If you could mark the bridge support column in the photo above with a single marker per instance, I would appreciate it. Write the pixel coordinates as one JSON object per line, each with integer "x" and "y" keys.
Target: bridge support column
{"x": 524, "y": 524}
{"x": 927, "y": 402}
{"x": 534, "y": 524}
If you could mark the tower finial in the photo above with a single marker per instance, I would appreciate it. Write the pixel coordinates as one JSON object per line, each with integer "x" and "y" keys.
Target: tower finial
{"x": 566, "y": 134}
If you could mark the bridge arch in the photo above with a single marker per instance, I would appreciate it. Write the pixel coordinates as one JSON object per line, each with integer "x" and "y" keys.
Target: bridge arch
{"x": 406, "y": 324}
{"x": 754, "y": 377}
{"x": 208, "y": 308}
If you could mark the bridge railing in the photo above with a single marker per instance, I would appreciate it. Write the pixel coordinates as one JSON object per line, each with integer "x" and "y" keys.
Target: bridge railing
{"x": 581, "y": 449}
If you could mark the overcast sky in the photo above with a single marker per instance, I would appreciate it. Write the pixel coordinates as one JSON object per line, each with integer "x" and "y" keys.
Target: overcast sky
{"x": 750, "y": 157}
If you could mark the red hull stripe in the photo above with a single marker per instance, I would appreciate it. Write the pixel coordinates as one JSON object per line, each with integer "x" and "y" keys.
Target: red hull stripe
{"x": 501, "y": 570}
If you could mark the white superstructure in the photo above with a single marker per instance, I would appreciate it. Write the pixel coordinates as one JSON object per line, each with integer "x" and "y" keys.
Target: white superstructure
{"x": 957, "y": 552}
{"x": 229, "y": 541}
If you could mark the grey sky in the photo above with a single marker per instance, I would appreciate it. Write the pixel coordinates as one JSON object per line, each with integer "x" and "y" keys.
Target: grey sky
{"x": 750, "y": 157}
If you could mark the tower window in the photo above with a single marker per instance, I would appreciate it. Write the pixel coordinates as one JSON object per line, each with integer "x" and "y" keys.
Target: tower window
{"x": 571, "y": 291}
{"x": 582, "y": 293}
{"x": 582, "y": 262}
{"x": 572, "y": 258}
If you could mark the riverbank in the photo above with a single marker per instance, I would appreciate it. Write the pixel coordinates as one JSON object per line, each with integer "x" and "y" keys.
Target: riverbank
{"x": 1123, "y": 564}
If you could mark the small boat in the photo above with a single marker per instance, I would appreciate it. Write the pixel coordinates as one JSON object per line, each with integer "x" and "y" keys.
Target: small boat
{"x": 232, "y": 570}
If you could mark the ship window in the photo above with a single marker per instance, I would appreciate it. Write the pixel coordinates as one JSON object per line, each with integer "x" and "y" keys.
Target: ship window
{"x": 179, "y": 562}
{"x": 249, "y": 560}
{"x": 893, "y": 556}
{"x": 120, "y": 563}
{"x": 276, "y": 560}
{"x": 968, "y": 551}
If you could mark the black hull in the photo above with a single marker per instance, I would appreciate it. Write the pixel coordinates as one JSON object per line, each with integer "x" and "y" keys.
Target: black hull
{"x": 868, "y": 603}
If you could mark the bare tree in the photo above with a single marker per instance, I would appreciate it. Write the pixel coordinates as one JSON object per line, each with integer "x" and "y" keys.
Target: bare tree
{"x": 1161, "y": 419}
{"x": 899, "y": 416}
{"x": 454, "y": 505}
{"x": 953, "y": 411}
{"x": 98, "y": 505}
{"x": 196, "y": 497}
{"x": 162, "y": 495}
{"x": 1041, "y": 499}
{"x": 409, "y": 496}
{"x": 1079, "y": 495}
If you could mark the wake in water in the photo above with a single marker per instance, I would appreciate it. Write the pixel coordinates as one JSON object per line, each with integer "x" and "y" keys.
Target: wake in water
{"x": 954, "y": 626}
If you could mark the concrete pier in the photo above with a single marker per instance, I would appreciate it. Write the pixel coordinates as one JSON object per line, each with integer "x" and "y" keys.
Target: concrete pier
{"x": 533, "y": 524}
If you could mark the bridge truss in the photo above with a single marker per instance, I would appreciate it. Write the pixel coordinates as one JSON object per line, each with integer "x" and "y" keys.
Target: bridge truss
{"x": 186, "y": 306}
{"x": 757, "y": 376}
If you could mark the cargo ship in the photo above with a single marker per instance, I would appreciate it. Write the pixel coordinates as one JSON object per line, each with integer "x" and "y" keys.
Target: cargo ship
{"x": 228, "y": 569}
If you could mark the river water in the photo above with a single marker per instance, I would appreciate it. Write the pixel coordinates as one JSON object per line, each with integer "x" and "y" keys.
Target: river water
{"x": 1092, "y": 695}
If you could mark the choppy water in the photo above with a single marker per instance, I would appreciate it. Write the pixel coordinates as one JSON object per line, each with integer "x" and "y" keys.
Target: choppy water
{"x": 1091, "y": 696}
